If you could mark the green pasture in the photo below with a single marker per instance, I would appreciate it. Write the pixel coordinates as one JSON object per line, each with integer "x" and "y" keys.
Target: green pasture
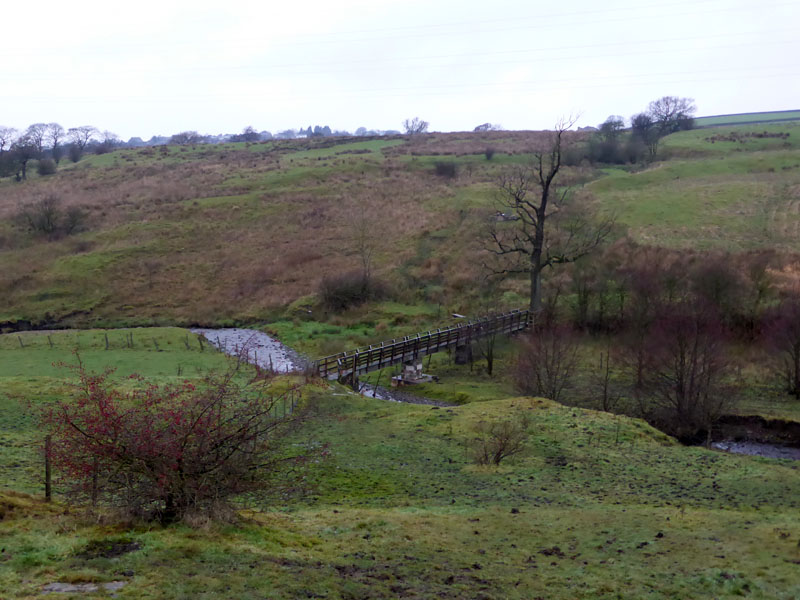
{"x": 733, "y": 140}
{"x": 741, "y": 202}
{"x": 33, "y": 371}
{"x": 746, "y": 118}
{"x": 596, "y": 506}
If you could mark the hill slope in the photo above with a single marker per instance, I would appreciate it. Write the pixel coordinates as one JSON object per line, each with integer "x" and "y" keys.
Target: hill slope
{"x": 216, "y": 234}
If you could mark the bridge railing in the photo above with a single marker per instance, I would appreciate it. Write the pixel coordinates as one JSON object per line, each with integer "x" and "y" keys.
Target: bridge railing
{"x": 390, "y": 352}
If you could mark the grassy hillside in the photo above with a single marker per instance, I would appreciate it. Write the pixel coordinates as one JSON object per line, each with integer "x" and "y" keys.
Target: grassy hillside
{"x": 730, "y": 190}
{"x": 596, "y": 506}
{"x": 238, "y": 232}
{"x": 746, "y": 118}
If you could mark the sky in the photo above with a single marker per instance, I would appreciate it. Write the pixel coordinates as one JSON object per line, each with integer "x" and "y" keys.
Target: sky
{"x": 147, "y": 67}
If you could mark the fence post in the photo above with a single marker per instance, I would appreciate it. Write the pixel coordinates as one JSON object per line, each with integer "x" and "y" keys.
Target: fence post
{"x": 48, "y": 488}
{"x": 94, "y": 483}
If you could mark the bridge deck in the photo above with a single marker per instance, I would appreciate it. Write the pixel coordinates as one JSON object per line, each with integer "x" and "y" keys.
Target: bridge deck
{"x": 392, "y": 352}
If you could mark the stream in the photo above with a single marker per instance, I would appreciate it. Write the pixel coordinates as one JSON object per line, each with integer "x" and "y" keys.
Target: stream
{"x": 255, "y": 347}
{"x": 258, "y": 348}
{"x": 758, "y": 449}
{"x": 268, "y": 353}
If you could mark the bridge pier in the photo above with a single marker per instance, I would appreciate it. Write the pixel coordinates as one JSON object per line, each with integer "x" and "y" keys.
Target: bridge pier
{"x": 350, "y": 380}
{"x": 464, "y": 354}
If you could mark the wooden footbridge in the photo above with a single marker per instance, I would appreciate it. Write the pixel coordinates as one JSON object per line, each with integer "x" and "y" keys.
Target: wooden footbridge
{"x": 345, "y": 365}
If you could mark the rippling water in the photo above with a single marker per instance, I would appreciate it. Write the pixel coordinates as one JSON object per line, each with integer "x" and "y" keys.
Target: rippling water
{"x": 756, "y": 449}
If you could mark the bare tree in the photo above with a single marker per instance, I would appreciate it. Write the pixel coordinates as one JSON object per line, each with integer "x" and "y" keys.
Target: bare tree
{"x": 602, "y": 381}
{"x": 81, "y": 136}
{"x": 55, "y": 136}
{"x": 7, "y": 137}
{"x": 185, "y": 138}
{"x": 108, "y": 141}
{"x": 688, "y": 366}
{"x": 526, "y": 243}
{"x": 36, "y": 134}
{"x": 547, "y": 359}
{"x": 415, "y": 126}
{"x": 24, "y": 149}
{"x": 644, "y": 129}
{"x": 783, "y": 333}
{"x": 672, "y": 114}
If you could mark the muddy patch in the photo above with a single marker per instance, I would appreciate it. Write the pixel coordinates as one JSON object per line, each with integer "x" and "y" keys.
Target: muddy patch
{"x": 110, "y": 548}
{"x": 82, "y": 588}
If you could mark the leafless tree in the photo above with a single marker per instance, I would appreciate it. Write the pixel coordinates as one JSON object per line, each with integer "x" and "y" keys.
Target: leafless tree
{"x": 7, "y": 137}
{"x": 81, "y": 136}
{"x": 601, "y": 379}
{"x": 672, "y": 114}
{"x": 415, "y": 126}
{"x": 530, "y": 242}
{"x": 783, "y": 334}
{"x": 547, "y": 359}
{"x": 186, "y": 138}
{"x": 688, "y": 367}
{"x": 108, "y": 141}
{"x": 24, "y": 149}
{"x": 365, "y": 234}
{"x": 55, "y": 136}
{"x": 37, "y": 133}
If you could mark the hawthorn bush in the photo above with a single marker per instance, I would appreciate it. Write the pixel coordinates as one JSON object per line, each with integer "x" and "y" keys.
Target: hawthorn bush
{"x": 164, "y": 452}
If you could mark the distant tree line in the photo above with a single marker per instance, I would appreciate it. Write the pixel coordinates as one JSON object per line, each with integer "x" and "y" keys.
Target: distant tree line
{"x": 46, "y": 144}
{"x": 616, "y": 142}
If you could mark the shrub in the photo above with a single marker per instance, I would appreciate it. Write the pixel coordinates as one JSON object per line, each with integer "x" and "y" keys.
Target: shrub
{"x": 45, "y": 216}
{"x": 74, "y": 152}
{"x": 493, "y": 441}
{"x": 168, "y": 451}
{"x": 340, "y": 292}
{"x": 489, "y": 153}
{"x": 46, "y": 166}
{"x": 446, "y": 168}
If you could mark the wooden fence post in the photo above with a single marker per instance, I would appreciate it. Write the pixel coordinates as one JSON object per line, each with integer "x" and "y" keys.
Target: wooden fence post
{"x": 94, "y": 483}
{"x": 48, "y": 488}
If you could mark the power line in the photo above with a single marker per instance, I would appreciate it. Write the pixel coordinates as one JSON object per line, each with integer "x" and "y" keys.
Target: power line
{"x": 444, "y": 90}
{"x": 261, "y": 69}
{"x": 316, "y": 39}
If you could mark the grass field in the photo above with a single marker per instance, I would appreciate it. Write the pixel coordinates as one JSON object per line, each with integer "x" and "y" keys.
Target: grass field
{"x": 746, "y": 118}
{"x": 596, "y": 507}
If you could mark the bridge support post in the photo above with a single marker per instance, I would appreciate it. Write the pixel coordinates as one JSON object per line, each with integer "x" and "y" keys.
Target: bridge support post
{"x": 351, "y": 379}
{"x": 464, "y": 354}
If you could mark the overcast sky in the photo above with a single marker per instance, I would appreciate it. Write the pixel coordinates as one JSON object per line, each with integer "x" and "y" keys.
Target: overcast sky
{"x": 145, "y": 67}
